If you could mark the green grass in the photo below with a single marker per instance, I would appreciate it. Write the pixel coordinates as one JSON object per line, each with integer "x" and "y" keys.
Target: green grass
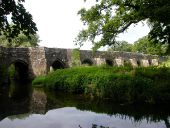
{"x": 39, "y": 81}
{"x": 121, "y": 84}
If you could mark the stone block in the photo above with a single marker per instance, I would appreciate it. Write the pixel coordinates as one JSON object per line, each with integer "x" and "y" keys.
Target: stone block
{"x": 145, "y": 63}
{"x": 119, "y": 62}
{"x": 100, "y": 61}
{"x": 154, "y": 62}
{"x": 133, "y": 62}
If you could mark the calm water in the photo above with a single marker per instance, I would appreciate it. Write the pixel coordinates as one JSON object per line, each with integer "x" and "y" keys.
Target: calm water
{"x": 24, "y": 107}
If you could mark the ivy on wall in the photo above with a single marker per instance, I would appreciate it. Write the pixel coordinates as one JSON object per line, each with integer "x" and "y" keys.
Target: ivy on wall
{"x": 75, "y": 57}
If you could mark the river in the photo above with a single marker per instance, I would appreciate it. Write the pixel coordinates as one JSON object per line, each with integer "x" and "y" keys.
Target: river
{"x": 24, "y": 107}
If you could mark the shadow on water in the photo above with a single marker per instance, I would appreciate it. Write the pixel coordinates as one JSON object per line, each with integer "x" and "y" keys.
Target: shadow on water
{"x": 20, "y": 99}
{"x": 14, "y": 98}
{"x": 136, "y": 112}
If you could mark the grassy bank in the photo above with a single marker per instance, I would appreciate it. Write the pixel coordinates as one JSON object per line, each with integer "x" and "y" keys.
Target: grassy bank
{"x": 121, "y": 84}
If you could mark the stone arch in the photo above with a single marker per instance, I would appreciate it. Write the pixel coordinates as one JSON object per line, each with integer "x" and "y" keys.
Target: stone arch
{"x": 20, "y": 70}
{"x": 57, "y": 64}
{"x": 109, "y": 62}
{"x": 87, "y": 61}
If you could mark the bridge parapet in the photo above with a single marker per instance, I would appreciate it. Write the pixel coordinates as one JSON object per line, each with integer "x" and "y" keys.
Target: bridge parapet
{"x": 40, "y": 59}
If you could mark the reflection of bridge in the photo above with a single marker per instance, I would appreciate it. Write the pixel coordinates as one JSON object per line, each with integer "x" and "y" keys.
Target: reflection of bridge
{"x": 38, "y": 101}
{"x": 38, "y": 60}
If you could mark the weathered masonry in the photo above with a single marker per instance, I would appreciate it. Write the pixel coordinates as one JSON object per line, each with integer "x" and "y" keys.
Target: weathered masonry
{"x": 36, "y": 61}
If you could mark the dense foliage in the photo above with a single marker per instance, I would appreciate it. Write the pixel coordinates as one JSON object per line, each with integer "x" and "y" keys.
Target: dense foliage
{"x": 121, "y": 84}
{"x": 142, "y": 45}
{"x": 20, "y": 41}
{"x": 108, "y": 18}
{"x": 121, "y": 46}
{"x": 21, "y": 19}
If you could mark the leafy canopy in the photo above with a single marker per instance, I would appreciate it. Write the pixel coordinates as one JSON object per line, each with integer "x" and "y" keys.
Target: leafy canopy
{"x": 21, "y": 19}
{"x": 121, "y": 46}
{"x": 108, "y": 18}
{"x": 20, "y": 41}
{"x": 144, "y": 45}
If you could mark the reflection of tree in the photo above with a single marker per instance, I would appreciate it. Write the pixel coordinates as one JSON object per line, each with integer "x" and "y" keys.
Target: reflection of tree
{"x": 136, "y": 112}
{"x": 20, "y": 116}
{"x": 96, "y": 126}
{"x": 167, "y": 123}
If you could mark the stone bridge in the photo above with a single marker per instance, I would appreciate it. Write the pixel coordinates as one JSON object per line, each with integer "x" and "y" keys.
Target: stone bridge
{"x": 36, "y": 61}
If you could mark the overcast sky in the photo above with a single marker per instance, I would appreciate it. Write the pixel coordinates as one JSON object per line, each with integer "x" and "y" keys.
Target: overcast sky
{"x": 58, "y": 22}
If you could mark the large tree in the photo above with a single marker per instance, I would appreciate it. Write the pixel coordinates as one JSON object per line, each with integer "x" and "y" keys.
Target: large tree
{"x": 108, "y": 18}
{"x": 21, "y": 19}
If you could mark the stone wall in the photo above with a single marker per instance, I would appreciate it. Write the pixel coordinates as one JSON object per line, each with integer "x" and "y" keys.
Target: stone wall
{"x": 40, "y": 59}
{"x": 37, "y": 61}
{"x": 3, "y": 66}
{"x": 55, "y": 54}
{"x": 120, "y": 58}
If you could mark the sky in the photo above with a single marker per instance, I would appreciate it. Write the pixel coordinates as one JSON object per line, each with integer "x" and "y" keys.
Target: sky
{"x": 58, "y": 23}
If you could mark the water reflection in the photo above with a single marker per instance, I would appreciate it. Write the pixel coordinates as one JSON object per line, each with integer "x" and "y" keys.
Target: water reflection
{"x": 22, "y": 106}
{"x": 38, "y": 101}
{"x": 70, "y": 117}
{"x": 14, "y": 99}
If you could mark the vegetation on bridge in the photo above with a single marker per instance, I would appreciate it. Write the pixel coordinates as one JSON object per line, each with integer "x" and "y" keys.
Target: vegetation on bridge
{"x": 121, "y": 84}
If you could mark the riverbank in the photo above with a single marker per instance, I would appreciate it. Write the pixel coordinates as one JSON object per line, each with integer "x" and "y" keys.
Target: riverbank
{"x": 120, "y": 84}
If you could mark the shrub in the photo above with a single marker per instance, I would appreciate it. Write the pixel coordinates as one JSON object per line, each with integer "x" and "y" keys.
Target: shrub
{"x": 121, "y": 84}
{"x": 39, "y": 81}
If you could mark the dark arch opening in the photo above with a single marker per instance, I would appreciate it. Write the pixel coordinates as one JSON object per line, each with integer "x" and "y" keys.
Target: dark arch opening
{"x": 18, "y": 70}
{"x": 150, "y": 62}
{"x": 109, "y": 62}
{"x": 57, "y": 65}
{"x": 138, "y": 63}
{"x": 87, "y": 62}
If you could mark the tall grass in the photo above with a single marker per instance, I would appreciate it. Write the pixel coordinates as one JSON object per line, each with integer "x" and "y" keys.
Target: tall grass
{"x": 121, "y": 84}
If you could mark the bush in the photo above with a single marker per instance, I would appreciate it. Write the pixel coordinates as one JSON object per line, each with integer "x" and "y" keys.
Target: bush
{"x": 121, "y": 84}
{"x": 39, "y": 81}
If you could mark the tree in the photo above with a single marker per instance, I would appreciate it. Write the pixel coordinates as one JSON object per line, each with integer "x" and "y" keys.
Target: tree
{"x": 146, "y": 46}
{"x": 108, "y": 18}
{"x": 121, "y": 46}
{"x": 21, "y": 19}
{"x": 20, "y": 41}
